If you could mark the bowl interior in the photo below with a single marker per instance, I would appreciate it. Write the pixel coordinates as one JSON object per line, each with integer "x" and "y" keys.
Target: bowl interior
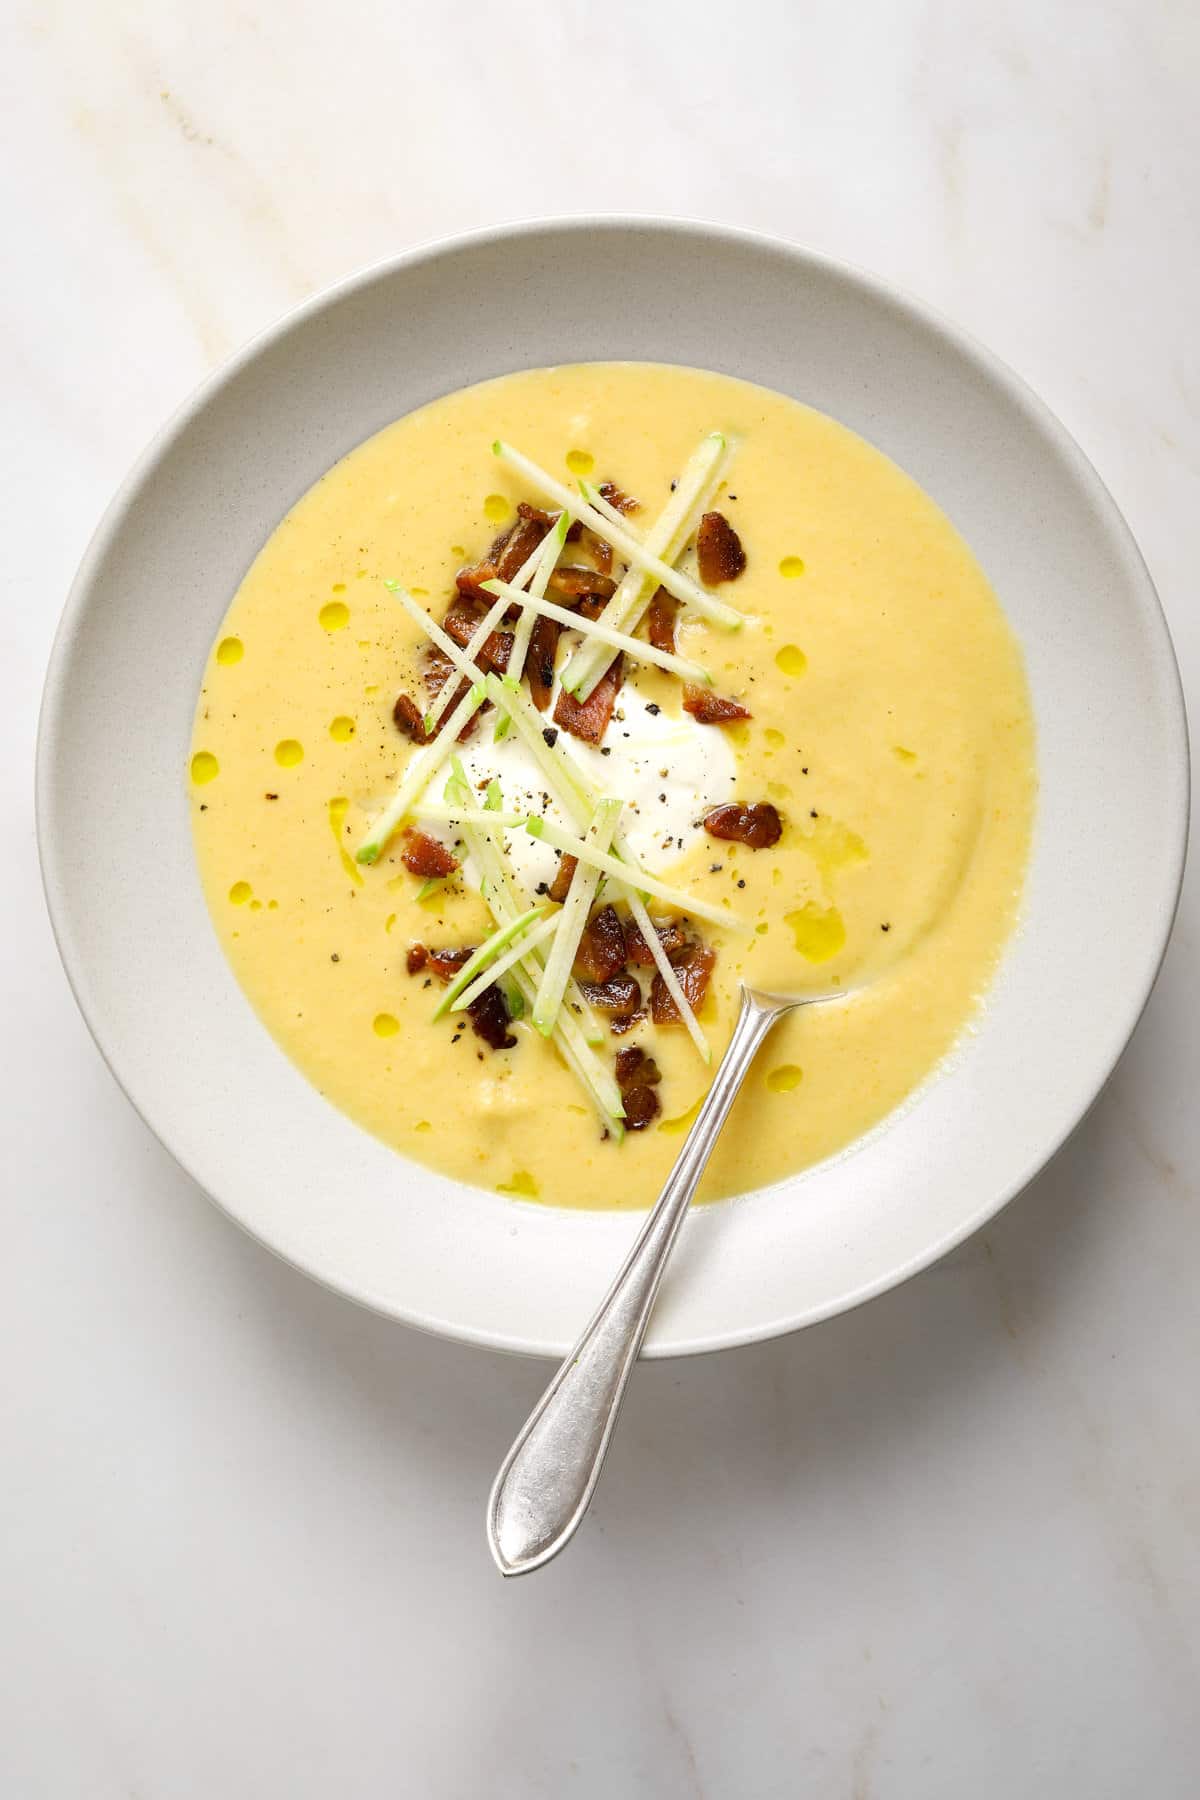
{"x": 117, "y": 851}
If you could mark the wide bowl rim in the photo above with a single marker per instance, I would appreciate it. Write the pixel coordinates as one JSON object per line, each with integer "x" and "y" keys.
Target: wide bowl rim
{"x": 990, "y": 366}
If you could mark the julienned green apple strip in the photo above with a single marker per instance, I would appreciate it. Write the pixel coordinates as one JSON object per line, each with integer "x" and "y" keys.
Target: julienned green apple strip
{"x": 486, "y": 953}
{"x": 676, "y": 583}
{"x": 576, "y": 796}
{"x": 666, "y": 537}
{"x": 548, "y": 554}
{"x": 421, "y": 769}
{"x": 516, "y": 952}
{"x": 596, "y": 1081}
{"x": 616, "y": 640}
{"x": 573, "y": 920}
{"x": 620, "y": 871}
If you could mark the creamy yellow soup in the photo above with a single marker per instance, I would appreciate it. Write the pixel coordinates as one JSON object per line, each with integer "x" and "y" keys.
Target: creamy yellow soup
{"x": 891, "y": 728}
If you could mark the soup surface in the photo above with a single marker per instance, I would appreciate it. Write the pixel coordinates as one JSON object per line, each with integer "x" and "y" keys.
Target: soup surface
{"x": 890, "y": 728}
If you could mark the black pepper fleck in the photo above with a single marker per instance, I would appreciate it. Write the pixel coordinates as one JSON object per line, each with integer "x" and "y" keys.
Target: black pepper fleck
{"x": 335, "y": 957}
{"x": 715, "y": 868}
{"x": 606, "y": 749}
{"x": 813, "y": 813}
{"x": 270, "y": 796}
{"x": 741, "y": 884}
{"x": 885, "y": 928}
{"x": 550, "y": 737}
{"x": 654, "y": 708}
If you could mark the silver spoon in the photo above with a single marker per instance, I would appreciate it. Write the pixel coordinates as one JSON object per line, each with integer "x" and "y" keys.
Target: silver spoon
{"x": 547, "y": 1480}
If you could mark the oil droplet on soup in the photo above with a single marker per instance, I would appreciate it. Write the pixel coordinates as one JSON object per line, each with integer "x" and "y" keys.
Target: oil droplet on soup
{"x": 903, "y": 755}
{"x": 785, "y": 1078}
{"x": 240, "y": 892}
{"x": 385, "y": 1025}
{"x": 818, "y": 930}
{"x": 791, "y": 660}
{"x": 230, "y": 650}
{"x": 580, "y": 462}
{"x": 288, "y": 753}
{"x": 334, "y": 616}
{"x": 338, "y": 808}
{"x": 496, "y": 508}
{"x": 205, "y": 767}
{"x": 791, "y": 567}
{"x": 775, "y": 738}
{"x": 522, "y": 1183}
{"x": 342, "y": 729}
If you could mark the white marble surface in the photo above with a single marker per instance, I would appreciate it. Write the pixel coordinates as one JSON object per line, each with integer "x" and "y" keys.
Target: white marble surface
{"x": 948, "y": 1546}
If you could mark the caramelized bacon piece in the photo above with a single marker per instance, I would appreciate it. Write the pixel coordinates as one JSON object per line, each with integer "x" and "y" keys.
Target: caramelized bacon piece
{"x": 539, "y": 662}
{"x": 620, "y": 1026}
{"x": 590, "y": 721}
{"x": 672, "y": 936}
{"x": 619, "y": 996}
{"x": 710, "y": 708}
{"x": 635, "y": 1069}
{"x": 438, "y": 670}
{"x": 518, "y": 546}
{"x": 408, "y": 718}
{"x": 505, "y": 555}
{"x": 461, "y": 620}
{"x": 718, "y": 550}
{"x": 416, "y": 959}
{"x": 624, "y": 503}
{"x": 602, "y": 552}
{"x": 637, "y": 1076}
{"x": 759, "y": 825}
{"x": 447, "y": 962}
{"x": 562, "y": 879}
{"x": 661, "y": 621}
{"x": 694, "y": 971}
{"x": 489, "y": 1019}
{"x": 425, "y": 855}
{"x": 527, "y": 510}
{"x": 574, "y": 581}
{"x": 601, "y": 952}
{"x": 641, "y": 1106}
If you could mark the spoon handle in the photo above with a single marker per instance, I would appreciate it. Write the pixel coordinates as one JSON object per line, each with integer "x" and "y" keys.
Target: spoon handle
{"x": 548, "y": 1477}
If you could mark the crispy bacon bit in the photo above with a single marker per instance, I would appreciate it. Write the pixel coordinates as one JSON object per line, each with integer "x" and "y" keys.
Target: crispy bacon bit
{"x": 489, "y": 1019}
{"x": 438, "y": 670}
{"x": 694, "y": 971}
{"x": 590, "y": 721}
{"x": 408, "y": 718}
{"x": 759, "y": 825}
{"x": 602, "y": 551}
{"x": 506, "y": 554}
{"x": 539, "y": 663}
{"x": 562, "y": 880}
{"x": 710, "y": 708}
{"x": 518, "y": 547}
{"x": 637, "y": 1077}
{"x": 461, "y": 620}
{"x": 447, "y": 962}
{"x": 416, "y": 959}
{"x": 635, "y": 1069}
{"x": 527, "y": 510}
{"x": 575, "y": 581}
{"x": 672, "y": 936}
{"x": 641, "y": 1106}
{"x": 425, "y": 855}
{"x": 624, "y": 503}
{"x": 718, "y": 550}
{"x": 620, "y": 1026}
{"x": 601, "y": 952}
{"x": 661, "y": 621}
{"x": 619, "y": 996}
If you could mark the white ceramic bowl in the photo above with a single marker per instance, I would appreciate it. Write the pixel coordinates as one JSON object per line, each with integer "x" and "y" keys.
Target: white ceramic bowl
{"x": 117, "y": 855}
